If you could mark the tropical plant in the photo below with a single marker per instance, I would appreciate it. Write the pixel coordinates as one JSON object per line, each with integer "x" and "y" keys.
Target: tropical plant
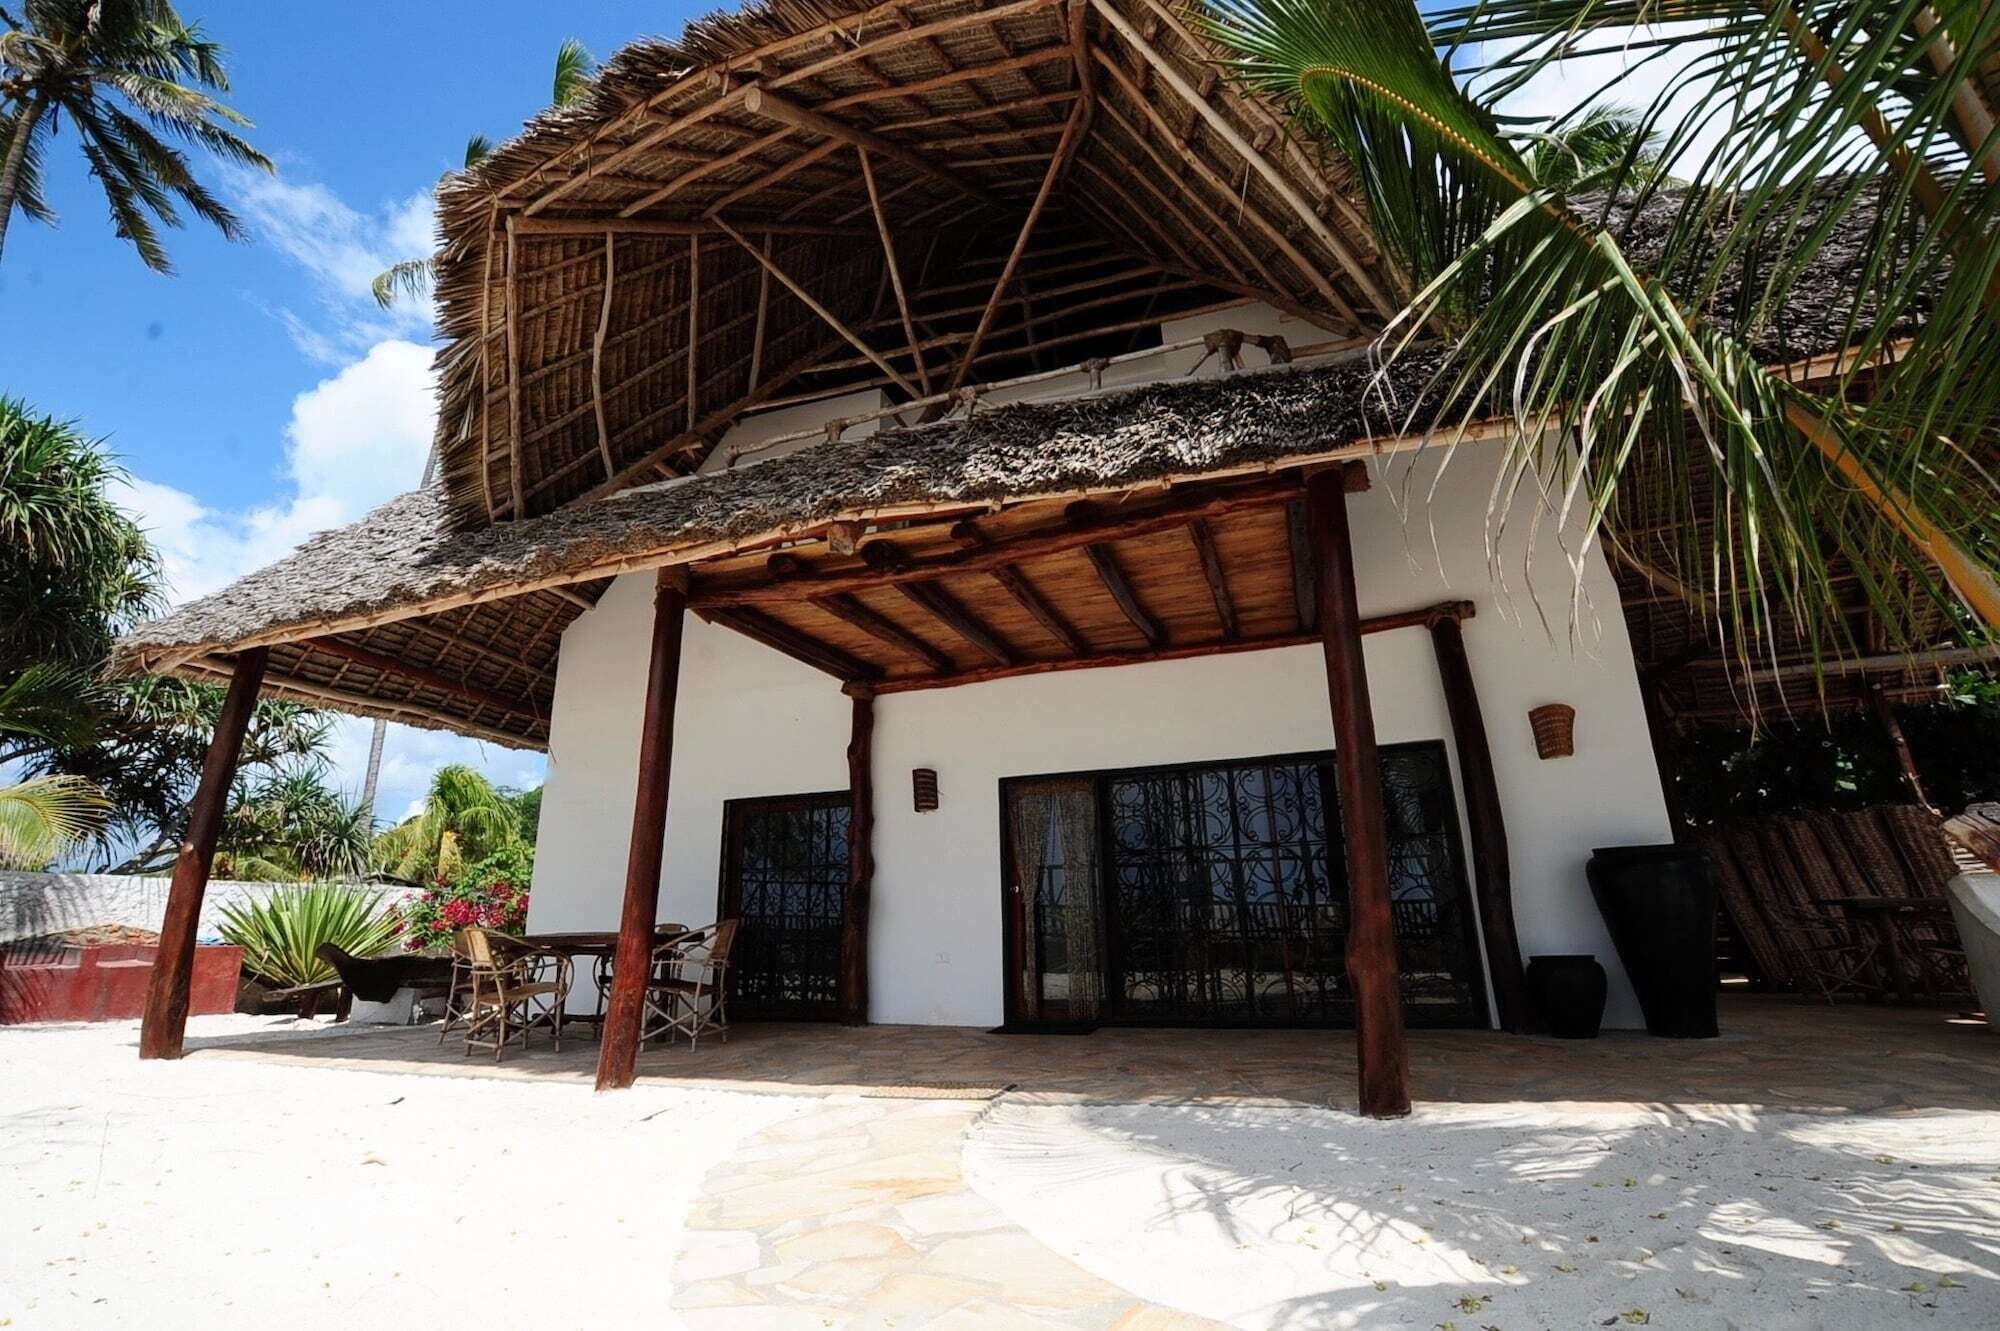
{"x": 465, "y": 819}
{"x": 74, "y": 568}
{"x": 290, "y": 825}
{"x": 1599, "y": 141}
{"x": 492, "y": 894}
{"x": 1619, "y": 360}
{"x": 123, "y": 73}
{"x": 46, "y": 816}
{"x": 412, "y": 279}
{"x": 281, "y": 934}
{"x": 528, "y": 810}
{"x": 146, "y": 753}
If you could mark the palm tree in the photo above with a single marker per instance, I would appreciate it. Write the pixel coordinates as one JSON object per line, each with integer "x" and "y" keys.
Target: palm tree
{"x": 465, "y": 818}
{"x": 124, "y": 72}
{"x": 1616, "y": 366}
{"x": 290, "y": 825}
{"x": 44, "y": 816}
{"x": 1600, "y": 140}
{"x": 412, "y": 279}
{"x": 74, "y": 568}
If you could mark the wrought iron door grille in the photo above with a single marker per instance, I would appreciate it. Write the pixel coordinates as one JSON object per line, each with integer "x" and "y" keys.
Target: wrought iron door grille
{"x": 785, "y": 878}
{"x": 1228, "y": 899}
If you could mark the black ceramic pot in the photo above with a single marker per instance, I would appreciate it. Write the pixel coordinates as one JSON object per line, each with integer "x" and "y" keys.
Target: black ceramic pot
{"x": 1659, "y": 904}
{"x": 1569, "y": 993}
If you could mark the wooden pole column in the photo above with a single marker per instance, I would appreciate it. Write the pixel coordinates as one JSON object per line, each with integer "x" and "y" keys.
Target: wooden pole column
{"x": 860, "y": 859}
{"x": 618, "y": 1051}
{"x": 1487, "y": 827}
{"x": 1899, "y": 744}
{"x": 1371, "y": 939}
{"x": 173, "y": 967}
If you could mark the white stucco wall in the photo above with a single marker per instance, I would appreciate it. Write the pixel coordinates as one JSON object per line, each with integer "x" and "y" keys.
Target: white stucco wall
{"x": 754, "y": 723}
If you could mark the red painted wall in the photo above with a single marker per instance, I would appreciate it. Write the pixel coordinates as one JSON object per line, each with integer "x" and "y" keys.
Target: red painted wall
{"x": 106, "y": 983}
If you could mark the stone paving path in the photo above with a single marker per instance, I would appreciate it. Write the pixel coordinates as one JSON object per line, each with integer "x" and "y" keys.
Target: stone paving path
{"x": 857, "y": 1215}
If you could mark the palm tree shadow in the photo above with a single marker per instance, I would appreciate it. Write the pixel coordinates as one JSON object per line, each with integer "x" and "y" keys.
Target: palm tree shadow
{"x": 1518, "y": 1215}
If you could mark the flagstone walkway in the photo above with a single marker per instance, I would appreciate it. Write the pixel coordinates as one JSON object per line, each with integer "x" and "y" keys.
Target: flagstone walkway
{"x": 857, "y": 1215}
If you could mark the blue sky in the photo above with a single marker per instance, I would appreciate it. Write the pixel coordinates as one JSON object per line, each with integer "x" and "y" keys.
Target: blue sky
{"x": 258, "y": 395}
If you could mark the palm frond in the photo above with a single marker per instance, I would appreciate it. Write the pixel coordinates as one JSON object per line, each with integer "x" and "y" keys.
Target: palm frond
{"x": 45, "y": 816}
{"x": 55, "y": 703}
{"x": 574, "y": 70}
{"x": 78, "y": 60}
{"x": 411, "y": 279}
{"x": 1620, "y": 355}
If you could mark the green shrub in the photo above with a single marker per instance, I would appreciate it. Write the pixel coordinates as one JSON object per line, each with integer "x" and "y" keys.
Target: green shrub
{"x": 492, "y": 894}
{"x": 280, "y": 934}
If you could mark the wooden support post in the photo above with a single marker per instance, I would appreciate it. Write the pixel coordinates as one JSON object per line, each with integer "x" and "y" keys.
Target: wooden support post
{"x": 826, "y": 316}
{"x": 597, "y": 354}
{"x": 173, "y": 968}
{"x": 853, "y": 995}
{"x": 895, "y": 270}
{"x": 1487, "y": 827}
{"x": 516, "y": 500}
{"x": 1899, "y": 743}
{"x": 618, "y": 1050}
{"x": 1372, "y": 973}
{"x": 694, "y": 333}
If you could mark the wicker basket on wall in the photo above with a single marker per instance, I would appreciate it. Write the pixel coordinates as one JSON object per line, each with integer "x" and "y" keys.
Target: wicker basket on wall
{"x": 1555, "y": 729}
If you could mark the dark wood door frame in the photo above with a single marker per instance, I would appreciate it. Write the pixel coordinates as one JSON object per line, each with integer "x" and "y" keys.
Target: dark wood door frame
{"x": 729, "y": 885}
{"x": 1018, "y": 922}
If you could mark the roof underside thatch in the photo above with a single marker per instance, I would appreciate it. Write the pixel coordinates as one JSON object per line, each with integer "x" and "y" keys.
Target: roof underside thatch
{"x": 712, "y": 194}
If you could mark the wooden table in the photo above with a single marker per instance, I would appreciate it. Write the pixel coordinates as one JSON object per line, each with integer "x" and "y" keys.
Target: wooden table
{"x": 602, "y": 947}
{"x": 1885, "y": 918}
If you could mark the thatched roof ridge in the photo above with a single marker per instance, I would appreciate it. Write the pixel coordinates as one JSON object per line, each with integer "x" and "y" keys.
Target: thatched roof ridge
{"x": 403, "y": 551}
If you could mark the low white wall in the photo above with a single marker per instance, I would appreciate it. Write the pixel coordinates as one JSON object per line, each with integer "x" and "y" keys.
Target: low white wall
{"x": 754, "y": 723}
{"x": 34, "y": 904}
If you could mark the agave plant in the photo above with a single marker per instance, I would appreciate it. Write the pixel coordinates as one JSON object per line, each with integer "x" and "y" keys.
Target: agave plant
{"x": 281, "y": 934}
{"x": 1619, "y": 361}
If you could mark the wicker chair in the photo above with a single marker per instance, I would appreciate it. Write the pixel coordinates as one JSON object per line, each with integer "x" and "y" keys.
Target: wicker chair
{"x": 689, "y": 992}
{"x": 505, "y": 992}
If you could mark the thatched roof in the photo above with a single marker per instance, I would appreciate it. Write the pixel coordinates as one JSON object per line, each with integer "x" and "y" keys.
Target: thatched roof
{"x": 582, "y": 260}
{"x": 486, "y": 607}
{"x": 1051, "y": 181}
{"x": 405, "y": 553}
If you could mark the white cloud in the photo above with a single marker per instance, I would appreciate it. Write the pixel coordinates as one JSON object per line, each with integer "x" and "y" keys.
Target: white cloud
{"x": 354, "y": 440}
{"x": 1631, "y": 74}
{"x": 341, "y": 249}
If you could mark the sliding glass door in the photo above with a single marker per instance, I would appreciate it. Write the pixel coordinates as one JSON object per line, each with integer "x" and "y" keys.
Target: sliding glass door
{"x": 1216, "y": 894}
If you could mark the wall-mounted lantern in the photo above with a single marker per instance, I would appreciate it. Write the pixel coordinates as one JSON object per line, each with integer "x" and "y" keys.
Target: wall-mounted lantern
{"x": 1555, "y": 729}
{"x": 923, "y": 781}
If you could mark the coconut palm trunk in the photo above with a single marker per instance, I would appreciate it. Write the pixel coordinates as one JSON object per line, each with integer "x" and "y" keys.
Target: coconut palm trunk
{"x": 25, "y": 123}
{"x": 374, "y": 776}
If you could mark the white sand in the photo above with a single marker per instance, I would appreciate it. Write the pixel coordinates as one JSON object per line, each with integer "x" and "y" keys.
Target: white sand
{"x": 1533, "y": 1215}
{"x": 220, "y": 1192}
